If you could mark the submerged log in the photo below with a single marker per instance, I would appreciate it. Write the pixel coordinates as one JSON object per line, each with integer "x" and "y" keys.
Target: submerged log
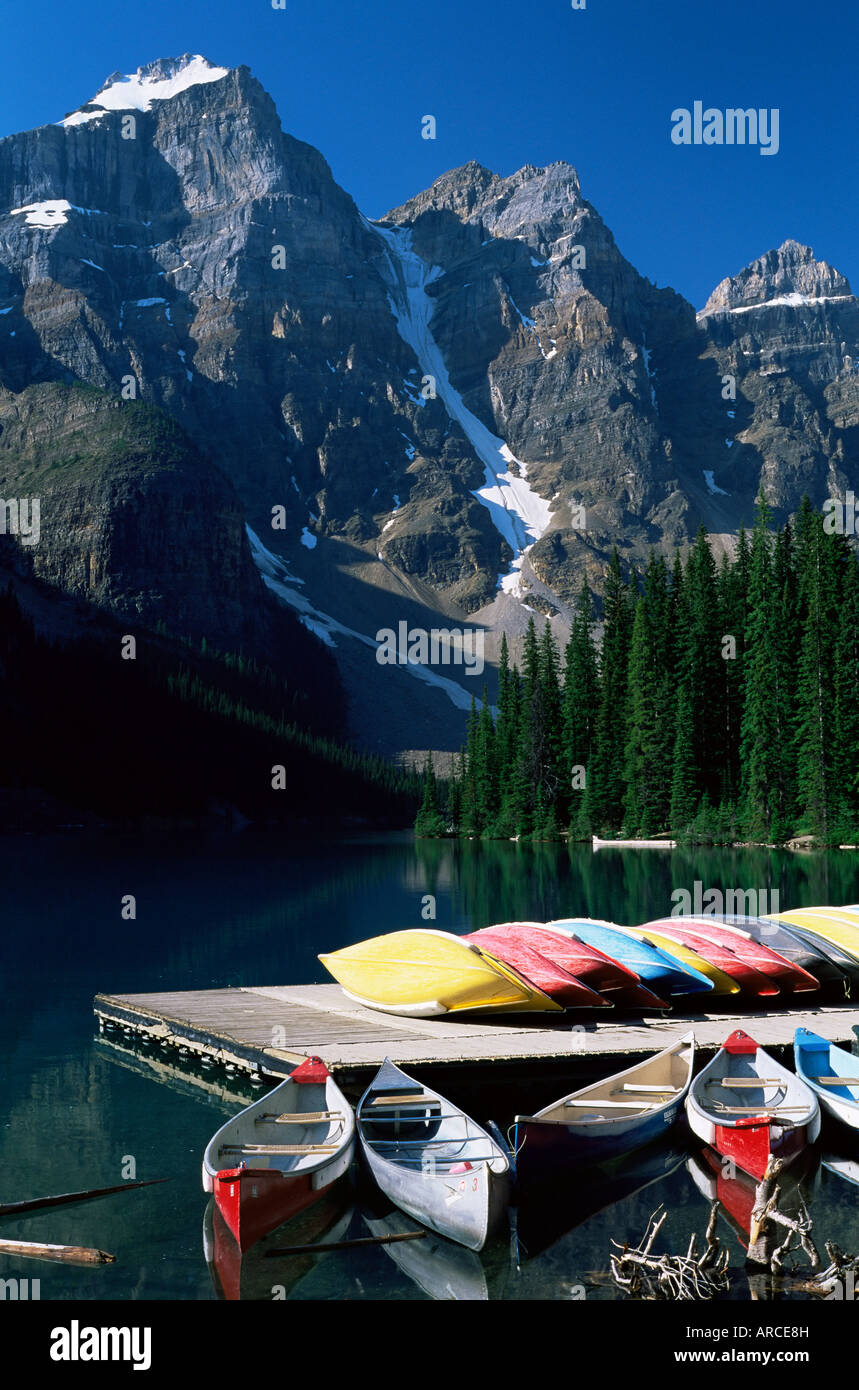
{"x": 67, "y": 1198}
{"x": 66, "y": 1254}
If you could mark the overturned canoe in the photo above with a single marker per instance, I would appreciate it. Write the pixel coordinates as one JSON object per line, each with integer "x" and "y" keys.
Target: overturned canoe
{"x": 841, "y": 929}
{"x": 748, "y": 1107}
{"x": 806, "y": 953}
{"x": 432, "y": 1160}
{"x": 763, "y": 956}
{"x": 658, "y": 970}
{"x": 723, "y": 983}
{"x": 521, "y": 951}
{"x": 617, "y": 982}
{"x": 422, "y": 973}
{"x": 752, "y": 981}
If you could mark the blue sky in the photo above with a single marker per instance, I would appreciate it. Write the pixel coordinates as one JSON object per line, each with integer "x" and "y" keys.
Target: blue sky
{"x": 511, "y": 84}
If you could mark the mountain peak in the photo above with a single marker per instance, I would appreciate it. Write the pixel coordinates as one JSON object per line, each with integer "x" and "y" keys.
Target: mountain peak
{"x": 789, "y": 275}
{"x": 156, "y": 81}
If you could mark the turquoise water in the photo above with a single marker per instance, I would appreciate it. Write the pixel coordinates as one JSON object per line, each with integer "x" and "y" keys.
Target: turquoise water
{"x": 252, "y": 909}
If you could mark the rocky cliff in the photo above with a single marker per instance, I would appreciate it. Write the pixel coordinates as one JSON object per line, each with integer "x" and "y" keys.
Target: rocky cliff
{"x": 450, "y": 415}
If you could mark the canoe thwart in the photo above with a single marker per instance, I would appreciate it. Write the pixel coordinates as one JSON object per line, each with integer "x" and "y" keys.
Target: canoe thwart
{"x": 765, "y": 1107}
{"x": 734, "y": 1081}
{"x": 278, "y": 1148}
{"x": 419, "y": 1099}
{"x": 834, "y": 1080}
{"x": 601, "y": 1104}
{"x": 309, "y": 1117}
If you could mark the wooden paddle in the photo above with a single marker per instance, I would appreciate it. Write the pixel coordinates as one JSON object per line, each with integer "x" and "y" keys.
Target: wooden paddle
{"x": 66, "y": 1198}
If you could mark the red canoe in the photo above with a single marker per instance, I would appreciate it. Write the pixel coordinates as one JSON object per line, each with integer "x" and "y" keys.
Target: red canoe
{"x": 514, "y": 949}
{"x": 281, "y": 1154}
{"x": 750, "y": 979}
{"x": 786, "y": 973}
{"x": 750, "y": 1108}
{"x": 620, "y": 984}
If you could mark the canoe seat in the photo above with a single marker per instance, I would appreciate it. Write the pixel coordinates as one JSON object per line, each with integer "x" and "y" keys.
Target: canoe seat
{"x": 419, "y": 1099}
{"x": 734, "y": 1081}
{"x": 309, "y": 1117}
{"x": 647, "y": 1090}
{"x": 278, "y": 1148}
{"x": 617, "y": 1104}
{"x": 835, "y": 1080}
{"x": 765, "y": 1106}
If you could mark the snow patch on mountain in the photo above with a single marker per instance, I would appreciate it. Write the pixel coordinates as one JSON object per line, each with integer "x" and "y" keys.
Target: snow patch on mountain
{"x": 277, "y": 578}
{"x": 51, "y": 213}
{"x": 712, "y": 487}
{"x": 791, "y": 301}
{"x": 136, "y": 91}
{"x": 518, "y": 512}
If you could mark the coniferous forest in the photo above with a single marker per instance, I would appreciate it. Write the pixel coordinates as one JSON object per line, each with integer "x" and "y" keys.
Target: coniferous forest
{"x": 722, "y": 705}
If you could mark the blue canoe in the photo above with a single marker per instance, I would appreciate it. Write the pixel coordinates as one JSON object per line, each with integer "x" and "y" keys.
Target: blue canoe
{"x": 661, "y": 971}
{"x": 832, "y": 1074}
{"x": 608, "y": 1118}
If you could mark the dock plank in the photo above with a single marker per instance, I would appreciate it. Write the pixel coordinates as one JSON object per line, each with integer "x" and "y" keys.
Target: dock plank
{"x": 245, "y": 1025}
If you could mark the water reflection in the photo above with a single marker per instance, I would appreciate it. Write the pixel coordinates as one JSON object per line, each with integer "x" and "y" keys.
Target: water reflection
{"x": 255, "y": 909}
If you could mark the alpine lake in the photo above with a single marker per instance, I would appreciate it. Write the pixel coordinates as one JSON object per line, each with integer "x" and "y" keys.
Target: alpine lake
{"x": 82, "y": 1111}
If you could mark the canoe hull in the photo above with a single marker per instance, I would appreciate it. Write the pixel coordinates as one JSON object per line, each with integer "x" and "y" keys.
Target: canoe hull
{"x": 816, "y": 1057}
{"x": 280, "y": 1154}
{"x": 741, "y": 1121}
{"x": 431, "y": 1160}
{"x": 466, "y": 1208}
{"x": 255, "y": 1201}
{"x": 550, "y": 1149}
{"x": 585, "y": 1126}
{"x": 752, "y": 1145}
{"x": 424, "y": 973}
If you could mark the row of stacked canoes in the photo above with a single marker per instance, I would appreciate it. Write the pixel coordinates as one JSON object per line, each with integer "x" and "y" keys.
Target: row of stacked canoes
{"x": 287, "y": 1151}
{"x": 583, "y": 963}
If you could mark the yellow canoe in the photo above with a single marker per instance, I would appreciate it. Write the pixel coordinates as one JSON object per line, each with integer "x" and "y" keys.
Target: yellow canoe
{"x": 722, "y": 983}
{"x": 829, "y": 923}
{"x": 421, "y": 973}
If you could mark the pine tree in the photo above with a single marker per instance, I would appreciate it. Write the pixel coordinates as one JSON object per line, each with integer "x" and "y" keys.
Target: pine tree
{"x": 683, "y": 791}
{"x": 580, "y": 707}
{"x": 815, "y": 685}
{"x": 643, "y": 775}
{"x": 605, "y": 789}
{"x": 764, "y": 737}
{"x": 429, "y": 822}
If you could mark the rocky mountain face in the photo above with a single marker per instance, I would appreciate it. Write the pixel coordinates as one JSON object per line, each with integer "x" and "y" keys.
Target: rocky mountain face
{"x": 446, "y": 417}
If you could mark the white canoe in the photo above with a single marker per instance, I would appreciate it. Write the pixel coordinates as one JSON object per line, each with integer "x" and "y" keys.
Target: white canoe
{"x": 431, "y": 1160}
{"x": 279, "y": 1155}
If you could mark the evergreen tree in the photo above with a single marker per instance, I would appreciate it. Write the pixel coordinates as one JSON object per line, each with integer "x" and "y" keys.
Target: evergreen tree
{"x": 644, "y": 773}
{"x": 764, "y": 737}
{"x": 429, "y": 822}
{"x": 580, "y": 705}
{"x": 683, "y": 790}
{"x": 605, "y": 788}
{"x": 816, "y": 760}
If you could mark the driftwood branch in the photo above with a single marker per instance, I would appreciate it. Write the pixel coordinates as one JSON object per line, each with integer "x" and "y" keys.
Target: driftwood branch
{"x": 684, "y": 1277}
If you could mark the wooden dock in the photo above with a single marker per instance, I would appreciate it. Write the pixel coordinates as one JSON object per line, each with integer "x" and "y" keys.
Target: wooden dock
{"x": 270, "y": 1028}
